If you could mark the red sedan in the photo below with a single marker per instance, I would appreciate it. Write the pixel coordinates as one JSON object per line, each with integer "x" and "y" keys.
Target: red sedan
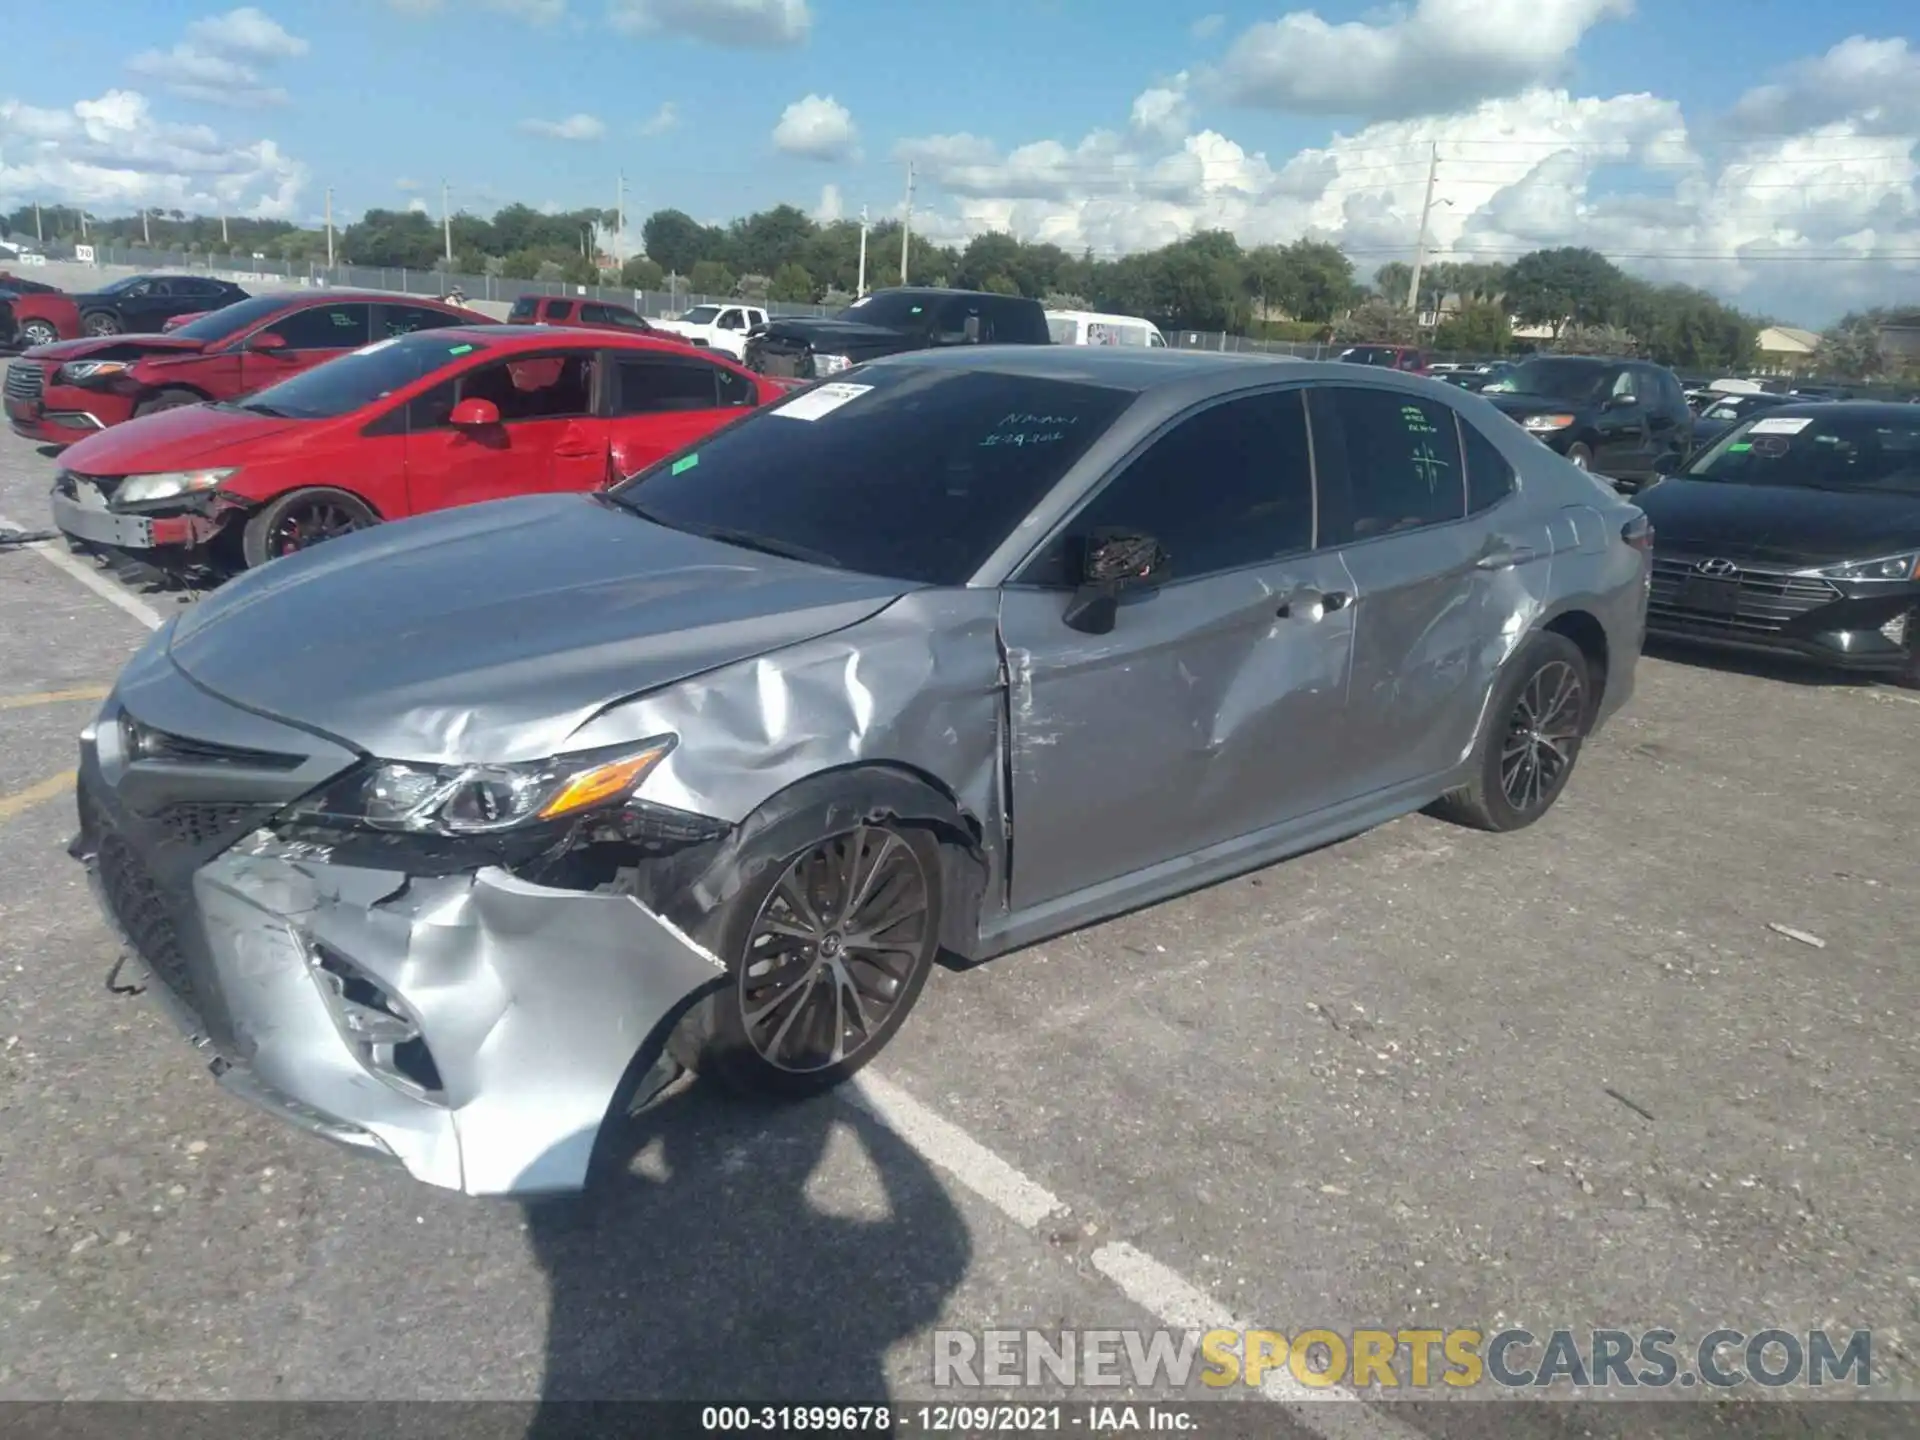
{"x": 60, "y": 393}
{"x": 406, "y": 425}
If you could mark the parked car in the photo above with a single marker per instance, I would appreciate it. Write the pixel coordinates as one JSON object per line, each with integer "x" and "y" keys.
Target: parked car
{"x": 58, "y": 394}
{"x": 141, "y": 304}
{"x": 412, "y": 423}
{"x": 175, "y": 322}
{"x": 1478, "y": 377}
{"x": 41, "y": 314}
{"x": 1392, "y": 357}
{"x": 490, "y": 806}
{"x": 1798, "y": 531}
{"x": 1722, "y": 413}
{"x": 890, "y": 322}
{"x": 721, "y": 327}
{"x": 1625, "y": 419}
{"x": 1088, "y": 327}
{"x": 590, "y": 315}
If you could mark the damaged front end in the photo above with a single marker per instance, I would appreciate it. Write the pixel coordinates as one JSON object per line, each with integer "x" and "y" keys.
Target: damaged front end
{"x": 192, "y": 534}
{"x": 468, "y": 1004}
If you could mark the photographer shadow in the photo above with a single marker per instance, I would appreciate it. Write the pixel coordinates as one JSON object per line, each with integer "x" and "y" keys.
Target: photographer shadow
{"x": 698, "y": 1267}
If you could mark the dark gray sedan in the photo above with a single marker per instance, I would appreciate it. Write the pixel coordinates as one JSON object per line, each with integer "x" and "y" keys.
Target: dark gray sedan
{"x": 436, "y": 836}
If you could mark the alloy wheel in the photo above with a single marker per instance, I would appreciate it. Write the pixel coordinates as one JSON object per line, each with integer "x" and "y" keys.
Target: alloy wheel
{"x": 101, "y": 325}
{"x": 36, "y": 332}
{"x": 833, "y": 949}
{"x": 309, "y": 524}
{"x": 1542, "y": 735}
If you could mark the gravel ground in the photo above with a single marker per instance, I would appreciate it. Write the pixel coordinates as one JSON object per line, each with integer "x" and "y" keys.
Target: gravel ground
{"x": 1568, "y": 1078}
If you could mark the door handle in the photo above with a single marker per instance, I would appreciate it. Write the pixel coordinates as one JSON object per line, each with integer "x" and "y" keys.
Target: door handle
{"x": 1505, "y": 557}
{"x": 1312, "y": 604}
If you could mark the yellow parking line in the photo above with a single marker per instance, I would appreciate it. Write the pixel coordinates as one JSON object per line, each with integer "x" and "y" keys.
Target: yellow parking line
{"x": 52, "y": 786}
{"x": 54, "y": 697}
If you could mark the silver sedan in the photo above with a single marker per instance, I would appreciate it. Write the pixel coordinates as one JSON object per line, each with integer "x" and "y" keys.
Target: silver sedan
{"x": 439, "y": 839}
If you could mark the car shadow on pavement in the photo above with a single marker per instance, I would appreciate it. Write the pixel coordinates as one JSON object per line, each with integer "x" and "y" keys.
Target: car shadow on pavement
{"x": 1786, "y": 668}
{"x": 698, "y": 1265}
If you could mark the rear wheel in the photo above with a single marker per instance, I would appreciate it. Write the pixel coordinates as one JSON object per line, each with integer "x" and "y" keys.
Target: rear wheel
{"x": 1580, "y": 455}
{"x": 1541, "y": 710}
{"x": 827, "y": 951}
{"x": 301, "y": 519}
{"x": 166, "y": 400}
{"x": 38, "y": 332}
{"x": 101, "y": 322}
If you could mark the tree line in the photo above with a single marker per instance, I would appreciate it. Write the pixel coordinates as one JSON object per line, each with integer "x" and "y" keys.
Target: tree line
{"x": 1306, "y": 290}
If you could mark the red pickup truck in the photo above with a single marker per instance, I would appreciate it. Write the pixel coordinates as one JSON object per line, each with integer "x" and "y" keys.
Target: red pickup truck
{"x": 571, "y": 313}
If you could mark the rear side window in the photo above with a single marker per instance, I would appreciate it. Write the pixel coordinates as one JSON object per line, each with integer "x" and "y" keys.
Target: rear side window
{"x": 658, "y": 387}
{"x": 1022, "y": 322}
{"x": 1401, "y": 455}
{"x": 559, "y": 309}
{"x": 326, "y": 327}
{"x": 1490, "y": 479}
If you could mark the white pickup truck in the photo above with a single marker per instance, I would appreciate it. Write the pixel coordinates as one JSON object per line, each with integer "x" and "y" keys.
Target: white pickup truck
{"x": 723, "y": 327}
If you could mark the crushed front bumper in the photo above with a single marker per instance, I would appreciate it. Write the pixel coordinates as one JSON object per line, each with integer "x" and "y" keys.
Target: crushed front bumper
{"x": 80, "y": 512}
{"x": 474, "y": 1027}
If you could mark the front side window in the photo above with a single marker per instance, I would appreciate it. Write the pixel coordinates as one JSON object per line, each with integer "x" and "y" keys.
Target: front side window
{"x": 1574, "y": 381}
{"x": 1229, "y": 487}
{"x": 325, "y": 327}
{"x": 914, "y": 474}
{"x": 731, "y": 320}
{"x": 651, "y": 386}
{"x": 1403, "y": 458}
{"x": 362, "y": 378}
{"x": 533, "y": 387}
{"x": 405, "y": 319}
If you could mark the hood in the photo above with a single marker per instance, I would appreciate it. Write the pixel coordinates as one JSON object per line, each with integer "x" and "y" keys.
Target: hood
{"x": 1519, "y": 405}
{"x": 827, "y": 332}
{"x": 187, "y": 437}
{"x": 493, "y": 631}
{"x": 117, "y": 347}
{"x": 1779, "y": 524}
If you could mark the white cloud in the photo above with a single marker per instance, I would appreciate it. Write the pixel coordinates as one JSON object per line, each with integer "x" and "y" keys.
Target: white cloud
{"x": 1208, "y": 26}
{"x": 1439, "y": 55}
{"x": 220, "y": 60}
{"x": 737, "y": 24}
{"x": 417, "y": 206}
{"x": 113, "y": 154}
{"x": 1163, "y": 111}
{"x": 579, "y": 128}
{"x": 1875, "y": 82}
{"x": 817, "y": 127}
{"x": 830, "y": 207}
{"x": 662, "y": 120}
{"x": 405, "y": 184}
{"x": 538, "y": 12}
{"x": 1622, "y": 174}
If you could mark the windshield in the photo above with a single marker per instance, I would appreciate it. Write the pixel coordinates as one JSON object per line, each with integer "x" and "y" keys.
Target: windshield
{"x": 218, "y": 324}
{"x": 1818, "y": 452}
{"x": 702, "y": 315}
{"x": 912, "y": 473}
{"x": 1575, "y": 381}
{"x": 352, "y": 381}
{"x": 897, "y": 311}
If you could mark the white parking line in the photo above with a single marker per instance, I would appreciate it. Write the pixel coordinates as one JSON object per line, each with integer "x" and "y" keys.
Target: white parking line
{"x": 1160, "y": 1290}
{"x": 50, "y": 551}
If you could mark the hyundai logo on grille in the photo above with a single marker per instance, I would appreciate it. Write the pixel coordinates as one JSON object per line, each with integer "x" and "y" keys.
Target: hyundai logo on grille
{"x": 1719, "y": 568}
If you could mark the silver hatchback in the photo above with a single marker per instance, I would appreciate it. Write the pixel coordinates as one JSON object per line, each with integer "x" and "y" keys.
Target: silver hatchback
{"x": 439, "y": 838}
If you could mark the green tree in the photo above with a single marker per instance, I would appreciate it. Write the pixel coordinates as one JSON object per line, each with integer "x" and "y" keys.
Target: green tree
{"x": 762, "y": 242}
{"x": 1851, "y": 348}
{"x": 709, "y": 277}
{"x": 643, "y": 273}
{"x": 679, "y": 242}
{"x": 1476, "y": 328}
{"x": 791, "y": 283}
{"x": 1568, "y": 286}
{"x": 1376, "y": 321}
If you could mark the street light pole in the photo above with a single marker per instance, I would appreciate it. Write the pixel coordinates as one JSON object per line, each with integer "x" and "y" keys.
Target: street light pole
{"x": 906, "y": 224}
{"x": 446, "y": 224}
{"x": 329, "y": 229}
{"x": 860, "y": 285}
{"x": 1420, "y": 247}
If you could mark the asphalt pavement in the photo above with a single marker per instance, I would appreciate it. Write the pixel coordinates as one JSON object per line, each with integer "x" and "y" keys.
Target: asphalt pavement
{"x": 1569, "y": 1078}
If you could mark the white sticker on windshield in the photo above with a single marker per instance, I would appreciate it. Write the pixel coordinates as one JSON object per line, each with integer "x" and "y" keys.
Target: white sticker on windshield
{"x": 1781, "y": 425}
{"x": 822, "y": 400}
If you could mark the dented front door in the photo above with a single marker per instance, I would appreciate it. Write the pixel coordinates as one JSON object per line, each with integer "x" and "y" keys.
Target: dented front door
{"x": 1213, "y": 708}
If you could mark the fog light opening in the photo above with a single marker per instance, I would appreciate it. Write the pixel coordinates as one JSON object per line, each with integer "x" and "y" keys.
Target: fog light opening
{"x": 1896, "y": 628}
{"x": 376, "y": 1025}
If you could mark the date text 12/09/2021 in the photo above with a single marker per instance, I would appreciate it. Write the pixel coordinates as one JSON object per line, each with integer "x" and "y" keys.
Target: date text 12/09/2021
{"x": 1096, "y": 1419}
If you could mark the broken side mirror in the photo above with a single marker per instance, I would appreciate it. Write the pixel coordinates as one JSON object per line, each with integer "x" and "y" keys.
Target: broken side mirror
{"x": 1112, "y": 561}
{"x": 474, "y": 414}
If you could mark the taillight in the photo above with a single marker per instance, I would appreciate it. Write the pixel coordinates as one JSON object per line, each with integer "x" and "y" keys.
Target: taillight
{"x": 1638, "y": 532}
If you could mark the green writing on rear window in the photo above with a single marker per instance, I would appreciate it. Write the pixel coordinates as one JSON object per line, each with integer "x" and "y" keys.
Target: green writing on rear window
{"x": 684, "y": 464}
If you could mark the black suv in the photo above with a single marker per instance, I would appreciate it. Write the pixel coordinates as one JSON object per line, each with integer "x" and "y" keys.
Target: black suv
{"x": 141, "y": 304}
{"x": 1625, "y": 419}
{"x": 890, "y": 321}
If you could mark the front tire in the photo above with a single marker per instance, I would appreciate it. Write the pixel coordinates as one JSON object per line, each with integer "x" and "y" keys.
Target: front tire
{"x": 827, "y": 950}
{"x": 101, "y": 323}
{"x": 1580, "y": 455}
{"x": 1541, "y": 710}
{"x": 38, "y": 332}
{"x": 166, "y": 400}
{"x": 301, "y": 519}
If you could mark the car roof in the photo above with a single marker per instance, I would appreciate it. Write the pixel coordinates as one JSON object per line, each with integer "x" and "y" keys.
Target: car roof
{"x": 1118, "y": 367}
{"x": 1844, "y": 409}
{"x": 545, "y": 337}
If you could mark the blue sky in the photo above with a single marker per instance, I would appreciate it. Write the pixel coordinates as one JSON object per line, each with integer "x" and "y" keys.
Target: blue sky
{"x": 1754, "y": 147}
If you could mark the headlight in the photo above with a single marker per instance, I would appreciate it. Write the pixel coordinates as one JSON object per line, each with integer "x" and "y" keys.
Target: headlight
{"x": 479, "y": 799}
{"x": 831, "y": 364}
{"x": 78, "y": 372}
{"x": 1547, "y": 422}
{"x": 1893, "y": 567}
{"x": 164, "y": 484}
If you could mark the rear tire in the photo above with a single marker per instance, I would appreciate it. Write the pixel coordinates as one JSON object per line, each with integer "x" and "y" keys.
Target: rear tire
{"x": 784, "y": 1026}
{"x": 38, "y": 332}
{"x": 167, "y": 400}
{"x": 301, "y": 519}
{"x": 101, "y": 323}
{"x": 1540, "y": 712}
{"x": 1580, "y": 455}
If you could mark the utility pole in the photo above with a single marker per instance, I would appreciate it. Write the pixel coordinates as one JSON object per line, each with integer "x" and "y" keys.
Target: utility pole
{"x": 620, "y": 222}
{"x": 224, "y": 241}
{"x": 860, "y": 285}
{"x": 1420, "y": 247}
{"x": 329, "y": 227}
{"x": 906, "y": 224}
{"x": 446, "y": 223}
{"x": 146, "y": 227}
{"x": 37, "y": 233}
